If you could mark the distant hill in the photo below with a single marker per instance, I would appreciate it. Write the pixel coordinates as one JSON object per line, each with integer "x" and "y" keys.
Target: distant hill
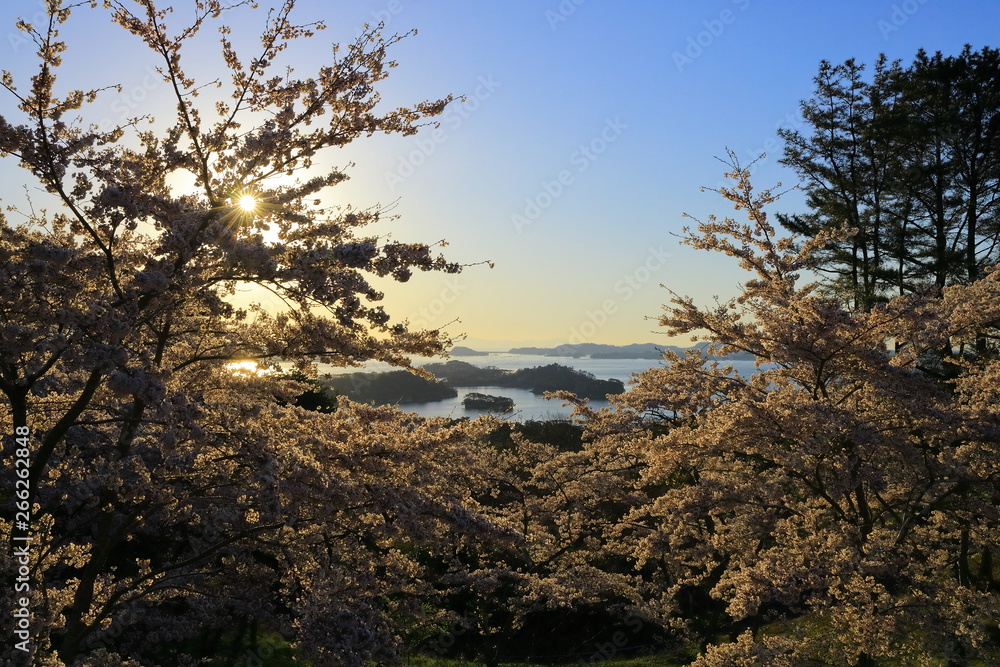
{"x": 462, "y": 351}
{"x": 562, "y": 378}
{"x": 463, "y": 374}
{"x": 600, "y": 351}
{"x": 389, "y": 388}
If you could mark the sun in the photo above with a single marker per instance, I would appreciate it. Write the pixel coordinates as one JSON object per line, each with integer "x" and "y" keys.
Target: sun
{"x": 248, "y": 203}
{"x": 247, "y": 368}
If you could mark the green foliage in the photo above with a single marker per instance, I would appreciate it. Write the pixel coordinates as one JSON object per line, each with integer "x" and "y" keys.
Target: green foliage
{"x": 651, "y": 661}
{"x": 243, "y": 646}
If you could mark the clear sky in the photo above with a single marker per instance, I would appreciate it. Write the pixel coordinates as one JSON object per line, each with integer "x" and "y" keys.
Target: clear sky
{"x": 587, "y": 130}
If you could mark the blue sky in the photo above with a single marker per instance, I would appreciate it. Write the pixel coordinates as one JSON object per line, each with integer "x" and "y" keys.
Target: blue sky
{"x": 587, "y": 131}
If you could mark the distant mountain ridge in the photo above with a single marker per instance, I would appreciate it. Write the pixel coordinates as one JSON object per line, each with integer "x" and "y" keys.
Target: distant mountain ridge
{"x": 597, "y": 351}
{"x": 601, "y": 351}
{"x": 462, "y": 351}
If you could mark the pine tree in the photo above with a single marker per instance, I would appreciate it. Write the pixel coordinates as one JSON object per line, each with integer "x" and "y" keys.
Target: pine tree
{"x": 907, "y": 160}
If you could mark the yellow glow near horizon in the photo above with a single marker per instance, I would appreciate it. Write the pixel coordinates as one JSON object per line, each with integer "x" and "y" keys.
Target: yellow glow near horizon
{"x": 248, "y": 203}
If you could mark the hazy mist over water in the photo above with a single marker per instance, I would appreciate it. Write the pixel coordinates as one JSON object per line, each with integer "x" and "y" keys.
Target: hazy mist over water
{"x": 602, "y": 369}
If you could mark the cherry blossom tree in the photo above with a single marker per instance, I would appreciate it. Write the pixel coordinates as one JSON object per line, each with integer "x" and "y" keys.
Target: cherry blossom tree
{"x": 839, "y": 505}
{"x": 556, "y": 587}
{"x": 179, "y": 506}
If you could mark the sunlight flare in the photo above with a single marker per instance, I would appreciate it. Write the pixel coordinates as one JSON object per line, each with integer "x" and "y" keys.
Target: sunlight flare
{"x": 248, "y": 203}
{"x": 249, "y": 367}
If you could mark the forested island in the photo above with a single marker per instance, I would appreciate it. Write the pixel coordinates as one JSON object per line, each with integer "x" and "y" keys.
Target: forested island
{"x": 405, "y": 387}
{"x": 477, "y": 401}
{"x": 389, "y": 388}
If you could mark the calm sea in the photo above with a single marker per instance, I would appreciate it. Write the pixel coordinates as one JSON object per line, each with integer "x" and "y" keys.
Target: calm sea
{"x": 527, "y": 406}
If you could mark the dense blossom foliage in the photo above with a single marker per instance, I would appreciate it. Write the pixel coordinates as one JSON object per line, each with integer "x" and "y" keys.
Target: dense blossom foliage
{"x": 839, "y": 505}
{"x": 172, "y": 497}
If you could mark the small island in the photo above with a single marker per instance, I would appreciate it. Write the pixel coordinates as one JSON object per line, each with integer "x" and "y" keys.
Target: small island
{"x": 477, "y": 401}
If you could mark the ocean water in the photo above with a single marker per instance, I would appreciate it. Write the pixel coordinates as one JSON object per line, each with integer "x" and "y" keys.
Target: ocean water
{"x": 527, "y": 406}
